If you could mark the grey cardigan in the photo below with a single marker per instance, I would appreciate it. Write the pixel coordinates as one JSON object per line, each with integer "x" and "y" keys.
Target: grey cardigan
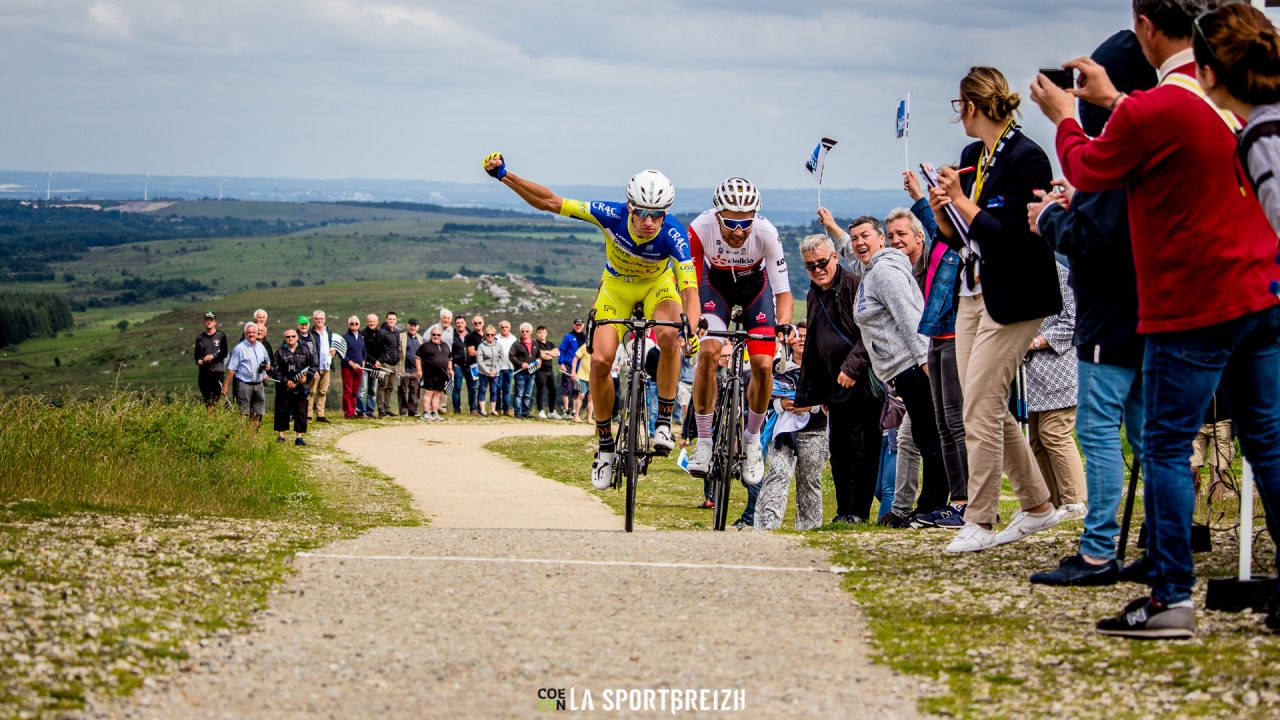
{"x": 887, "y": 309}
{"x": 489, "y": 357}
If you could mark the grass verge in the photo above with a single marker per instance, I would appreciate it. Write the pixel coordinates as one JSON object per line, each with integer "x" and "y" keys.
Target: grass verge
{"x": 160, "y": 528}
{"x": 984, "y": 641}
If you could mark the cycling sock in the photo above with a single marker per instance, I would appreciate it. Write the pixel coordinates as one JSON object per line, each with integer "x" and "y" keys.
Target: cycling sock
{"x": 755, "y": 421}
{"x": 704, "y": 425}
{"x": 666, "y": 406}
{"x": 604, "y": 435}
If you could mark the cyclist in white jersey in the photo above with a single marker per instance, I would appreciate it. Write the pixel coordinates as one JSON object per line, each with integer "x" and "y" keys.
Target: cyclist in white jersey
{"x": 739, "y": 261}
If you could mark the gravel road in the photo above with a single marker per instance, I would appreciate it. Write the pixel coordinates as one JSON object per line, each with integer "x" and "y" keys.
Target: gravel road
{"x": 520, "y": 584}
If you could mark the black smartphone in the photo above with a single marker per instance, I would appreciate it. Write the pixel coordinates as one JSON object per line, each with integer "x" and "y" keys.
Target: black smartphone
{"x": 1064, "y": 78}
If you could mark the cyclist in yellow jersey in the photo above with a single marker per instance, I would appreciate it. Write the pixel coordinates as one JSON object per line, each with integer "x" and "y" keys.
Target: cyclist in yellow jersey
{"x": 647, "y": 260}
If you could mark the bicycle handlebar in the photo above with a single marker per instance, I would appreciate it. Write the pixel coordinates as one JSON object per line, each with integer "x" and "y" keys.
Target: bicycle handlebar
{"x": 634, "y": 323}
{"x": 737, "y": 335}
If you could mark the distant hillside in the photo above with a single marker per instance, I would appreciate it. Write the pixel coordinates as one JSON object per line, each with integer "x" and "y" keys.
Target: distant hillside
{"x": 785, "y": 207}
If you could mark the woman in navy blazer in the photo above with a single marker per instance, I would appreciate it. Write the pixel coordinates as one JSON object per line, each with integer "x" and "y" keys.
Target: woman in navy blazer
{"x": 1009, "y": 285}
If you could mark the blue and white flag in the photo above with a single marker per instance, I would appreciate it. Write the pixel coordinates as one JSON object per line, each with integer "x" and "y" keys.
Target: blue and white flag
{"x": 819, "y": 158}
{"x": 904, "y": 116}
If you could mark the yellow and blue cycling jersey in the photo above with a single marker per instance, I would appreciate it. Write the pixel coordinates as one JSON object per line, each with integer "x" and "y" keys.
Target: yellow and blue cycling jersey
{"x": 628, "y": 257}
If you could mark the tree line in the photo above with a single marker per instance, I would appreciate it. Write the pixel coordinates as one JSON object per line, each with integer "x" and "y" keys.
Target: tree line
{"x": 27, "y": 315}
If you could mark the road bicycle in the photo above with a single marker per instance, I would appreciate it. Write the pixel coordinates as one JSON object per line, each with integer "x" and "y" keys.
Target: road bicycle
{"x": 729, "y": 422}
{"x": 631, "y": 441}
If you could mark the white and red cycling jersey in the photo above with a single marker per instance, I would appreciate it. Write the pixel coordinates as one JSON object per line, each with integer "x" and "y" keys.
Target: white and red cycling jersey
{"x": 761, "y": 253}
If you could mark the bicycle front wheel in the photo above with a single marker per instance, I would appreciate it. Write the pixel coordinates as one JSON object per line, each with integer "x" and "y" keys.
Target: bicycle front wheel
{"x": 634, "y": 422}
{"x": 726, "y": 436}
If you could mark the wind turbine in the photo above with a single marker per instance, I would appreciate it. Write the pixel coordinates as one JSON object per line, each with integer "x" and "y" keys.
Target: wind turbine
{"x": 48, "y": 188}
{"x": 146, "y": 185}
{"x": 219, "y": 189}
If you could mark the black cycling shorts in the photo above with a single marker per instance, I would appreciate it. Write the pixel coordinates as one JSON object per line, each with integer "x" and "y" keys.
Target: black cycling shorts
{"x": 719, "y": 291}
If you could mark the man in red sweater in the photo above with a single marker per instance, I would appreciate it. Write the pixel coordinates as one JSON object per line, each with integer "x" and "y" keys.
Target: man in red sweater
{"x": 1205, "y": 255}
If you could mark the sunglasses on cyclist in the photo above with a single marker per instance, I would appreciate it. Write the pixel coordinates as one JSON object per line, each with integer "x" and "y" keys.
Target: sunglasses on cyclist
{"x": 646, "y": 214}
{"x": 814, "y": 266}
{"x": 736, "y": 224}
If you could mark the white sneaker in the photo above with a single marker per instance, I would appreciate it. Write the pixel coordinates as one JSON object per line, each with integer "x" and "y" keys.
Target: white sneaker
{"x": 425, "y": 416}
{"x": 753, "y": 465}
{"x": 700, "y": 460}
{"x": 602, "y": 470}
{"x": 542, "y": 414}
{"x": 1073, "y": 511}
{"x": 484, "y": 413}
{"x": 555, "y": 415}
{"x": 1024, "y": 523}
{"x": 435, "y": 417}
{"x": 972, "y": 538}
{"x": 662, "y": 442}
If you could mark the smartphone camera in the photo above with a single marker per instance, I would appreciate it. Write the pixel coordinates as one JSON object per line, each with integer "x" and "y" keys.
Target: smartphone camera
{"x": 1064, "y": 78}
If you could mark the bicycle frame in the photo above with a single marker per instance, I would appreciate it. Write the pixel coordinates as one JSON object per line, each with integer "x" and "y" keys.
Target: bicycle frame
{"x": 632, "y": 446}
{"x": 727, "y": 460}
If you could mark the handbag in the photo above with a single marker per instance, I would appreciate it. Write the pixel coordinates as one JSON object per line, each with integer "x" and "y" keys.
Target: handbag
{"x": 892, "y": 413}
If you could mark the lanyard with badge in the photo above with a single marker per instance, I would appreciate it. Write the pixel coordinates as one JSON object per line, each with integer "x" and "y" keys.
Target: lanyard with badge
{"x": 986, "y": 160}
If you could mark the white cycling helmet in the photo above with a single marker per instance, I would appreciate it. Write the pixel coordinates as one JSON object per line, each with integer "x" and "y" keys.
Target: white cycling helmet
{"x": 736, "y": 194}
{"x": 650, "y": 190}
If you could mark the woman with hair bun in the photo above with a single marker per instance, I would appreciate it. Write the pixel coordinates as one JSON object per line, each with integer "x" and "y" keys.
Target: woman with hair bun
{"x": 1238, "y": 65}
{"x": 1009, "y": 286}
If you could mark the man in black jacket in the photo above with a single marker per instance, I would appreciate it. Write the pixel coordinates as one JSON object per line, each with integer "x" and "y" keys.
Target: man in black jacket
{"x": 211, "y": 355}
{"x": 374, "y": 377}
{"x": 392, "y": 347}
{"x": 292, "y": 365}
{"x": 1094, "y": 235}
{"x": 835, "y": 373}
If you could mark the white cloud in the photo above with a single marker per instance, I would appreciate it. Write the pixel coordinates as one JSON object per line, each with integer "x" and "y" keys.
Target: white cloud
{"x": 110, "y": 17}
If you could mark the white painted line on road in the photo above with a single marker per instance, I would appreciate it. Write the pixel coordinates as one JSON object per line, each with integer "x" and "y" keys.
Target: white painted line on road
{"x": 835, "y": 569}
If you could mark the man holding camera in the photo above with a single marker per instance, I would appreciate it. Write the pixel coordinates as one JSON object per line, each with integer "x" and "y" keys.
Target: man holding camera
{"x": 248, "y": 364}
{"x": 292, "y": 366}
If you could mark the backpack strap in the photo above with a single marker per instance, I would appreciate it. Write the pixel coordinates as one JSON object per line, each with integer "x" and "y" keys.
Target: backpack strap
{"x": 1191, "y": 85}
{"x": 1251, "y": 135}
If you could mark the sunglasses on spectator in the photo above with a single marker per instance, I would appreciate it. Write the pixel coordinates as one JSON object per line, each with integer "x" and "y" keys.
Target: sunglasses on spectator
{"x": 489, "y": 335}
{"x": 435, "y": 334}
{"x": 290, "y": 336}
{"x": 815, "y": 266}
{"x": 1205, "y": 38}
{"x": 644, "y": 214}
{"x": 354, "y": 324}
{"x": 736, "y": 224}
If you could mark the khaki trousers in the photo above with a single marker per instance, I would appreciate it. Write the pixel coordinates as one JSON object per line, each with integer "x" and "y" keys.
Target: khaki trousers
{"x": 987, "y": 356}
{"x": 1054, "y": 445}
{"x": 319, "y": 391}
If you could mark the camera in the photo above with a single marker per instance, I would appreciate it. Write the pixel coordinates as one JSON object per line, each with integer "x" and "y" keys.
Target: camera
{"x": 1064, "y": 78}
{"x": 262, "y": 366}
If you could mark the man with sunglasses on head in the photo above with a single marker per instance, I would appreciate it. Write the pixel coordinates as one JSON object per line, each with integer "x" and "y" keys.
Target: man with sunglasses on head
{"x": 642, "y": 244}
{"x": 739, "y": 261}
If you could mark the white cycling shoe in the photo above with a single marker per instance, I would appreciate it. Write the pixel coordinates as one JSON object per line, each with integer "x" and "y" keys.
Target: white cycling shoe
{"x": 700, "y": 460}
{"x": 662, "y": 442}
{"x": 753, "y": 464}
{"x": 602, "y": 470}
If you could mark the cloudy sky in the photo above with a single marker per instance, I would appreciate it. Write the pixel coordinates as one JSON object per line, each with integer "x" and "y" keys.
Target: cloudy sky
{"x": 572, "y": 91}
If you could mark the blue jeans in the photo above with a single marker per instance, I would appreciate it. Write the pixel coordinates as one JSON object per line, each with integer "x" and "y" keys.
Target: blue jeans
{"x": 886, "y": 482}
{"x": 651, "y": 404}
{"x": 488, "y": 387}
{"x": 459, "y": 377}
{"x": 1180, "y": 372}
{"x": 504, "y": 390}
{"x": 1108, "y": 396}
{"x": 367, "y": 400}
{"x": 522, "y": 396}
{"x": 749, "y": 512}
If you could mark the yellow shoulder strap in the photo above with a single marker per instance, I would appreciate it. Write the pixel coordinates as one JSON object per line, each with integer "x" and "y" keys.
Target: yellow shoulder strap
{"x": 1192, "y": 85}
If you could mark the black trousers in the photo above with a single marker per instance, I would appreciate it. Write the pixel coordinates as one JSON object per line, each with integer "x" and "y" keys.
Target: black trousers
{"x": 913, "y": 387}
{"x": 211, "y": 386}
{"x": 291, "y": 405}
{"x": 854, "y": 431}
{"x": 544, "y": 385}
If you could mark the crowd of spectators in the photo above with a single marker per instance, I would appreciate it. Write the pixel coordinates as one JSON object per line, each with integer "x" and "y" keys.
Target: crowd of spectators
{"x": 389, "y": 369}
